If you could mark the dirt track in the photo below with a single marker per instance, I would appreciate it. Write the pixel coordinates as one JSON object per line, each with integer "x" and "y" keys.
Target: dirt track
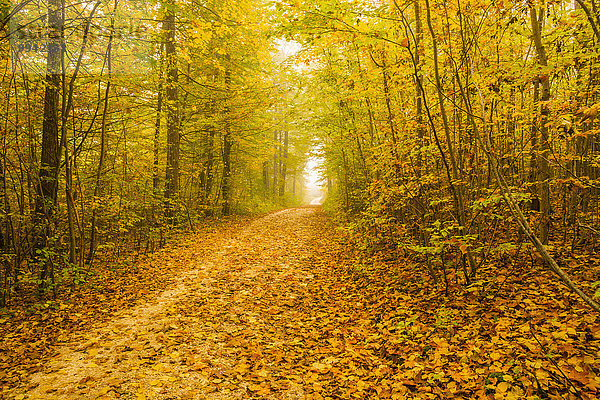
{"x": 227, "y": 329}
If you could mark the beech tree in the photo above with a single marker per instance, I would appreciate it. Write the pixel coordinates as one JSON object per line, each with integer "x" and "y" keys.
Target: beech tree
{"x": 136, "y": 120}
{"x": 47, "y": 186}
{"x": 412, "y": 171}
{"x": 172, "y": 107}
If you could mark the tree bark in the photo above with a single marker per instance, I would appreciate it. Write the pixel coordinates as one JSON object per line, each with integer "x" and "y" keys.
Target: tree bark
{"x": 418, "y": 83}
{"x": 72, "y": 217}
{"x": 172, "y": 112}
{"x": 542, "y": 161}
{"x": 227, "y": 145}
{"x": 275, "y": 161}
{"x": 47, "y": 189}
{"x": 265, "y": 176}
{"x": 210, "y": 161}
{"x": 283, "y": 164}
{"x": 157, "y": 123}
{"x": 103, "y": 143}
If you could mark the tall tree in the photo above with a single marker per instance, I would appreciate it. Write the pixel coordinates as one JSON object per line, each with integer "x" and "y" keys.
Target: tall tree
{"x": 172, "y": 108}
{"x": 47, "y": 188}
{"x": 543, "y": 181}
{"x": 227, "y": 145}
{"x": 283, "y": 159}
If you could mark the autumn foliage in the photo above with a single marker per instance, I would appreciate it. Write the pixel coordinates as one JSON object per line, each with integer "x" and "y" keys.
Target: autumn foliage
{"x": 459, "y": 151}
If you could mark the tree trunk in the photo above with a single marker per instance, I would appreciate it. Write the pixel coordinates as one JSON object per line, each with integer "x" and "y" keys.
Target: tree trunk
{"x": 226, "y": 182}
{"x": 543, "y": 168}
{"x": 103, "y": 143}
{"x": 418, "y": 84}
{"x": 533, "y": 165}
{"x": 227, "y": 144}
{"x": 275, "y": 172}
{"x": 172, "y": 113}
{"x": 283, "y": 161}
{"x": 47, "y": 189}
{"x": 390, "y": 114}
{"x": 210, "y": 160}
{"x": 452, "y": 171}
{"x": 5, "y": 231}
{"x": 294, "y": 182}
{"x": 157, "y": 124}
{"x": 67, "y": 105}
{"x": 265, "y": 176}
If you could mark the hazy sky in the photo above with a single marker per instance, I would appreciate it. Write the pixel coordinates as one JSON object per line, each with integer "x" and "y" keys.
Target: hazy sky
{"x": 312, "y": 174}
{"x": 286, "y": 49}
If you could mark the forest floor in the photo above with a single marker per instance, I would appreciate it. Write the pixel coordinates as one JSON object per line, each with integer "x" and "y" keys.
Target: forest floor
{"x": 281, "y": 307}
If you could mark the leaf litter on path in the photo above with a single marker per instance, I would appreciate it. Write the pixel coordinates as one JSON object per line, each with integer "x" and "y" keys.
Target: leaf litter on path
{"x": 220, "y": 331}
{"x": 279, "y": 310}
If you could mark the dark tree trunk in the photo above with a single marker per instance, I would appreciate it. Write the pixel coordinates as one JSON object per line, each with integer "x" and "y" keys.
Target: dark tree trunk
{"x": 98, "y": 189}
{"x": 418, "y": 84}
{"x": 544, "y": 145}
{"x": 275, "y": 162}
{"x": 47, "y": 189}
{"x": 226, "y": 185}
{"x": 210, "y": 161}
{"x": 227, "y": 144}
{"x": 283, "y": 161}
{"x": 172, "y": 113}
{"x": 157, "y": 125}
{"x": 265, "y": 174}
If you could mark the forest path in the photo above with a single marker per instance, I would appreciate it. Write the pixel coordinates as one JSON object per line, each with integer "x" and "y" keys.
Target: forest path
{"x": 232, "y": 326}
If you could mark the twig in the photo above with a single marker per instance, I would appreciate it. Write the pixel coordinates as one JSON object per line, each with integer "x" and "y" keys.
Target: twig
{"x": 588, "y": 227}
{"x": 545, "y": 351}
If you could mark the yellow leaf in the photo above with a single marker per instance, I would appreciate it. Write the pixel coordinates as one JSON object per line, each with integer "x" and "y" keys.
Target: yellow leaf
{"x": 360, "y": 386}
{"x": 503, "y": 387}
{"x": 254, "y": 387}
{"x": 452, "y": 387}
{"x": 320, "y": 367}
{"x": 560, "y": 335}
{"x": 263, "y": 373}
{"x": 241, "y": 368}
